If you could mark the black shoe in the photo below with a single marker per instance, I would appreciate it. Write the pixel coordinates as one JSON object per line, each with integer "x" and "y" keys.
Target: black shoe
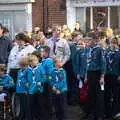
{"x": 84, "y": 116}
{"x": 100, "y": 118}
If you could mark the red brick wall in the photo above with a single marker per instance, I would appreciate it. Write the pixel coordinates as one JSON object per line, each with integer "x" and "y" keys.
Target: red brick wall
{"x": 56, "y": 15}
{"x": 37, "y": 13}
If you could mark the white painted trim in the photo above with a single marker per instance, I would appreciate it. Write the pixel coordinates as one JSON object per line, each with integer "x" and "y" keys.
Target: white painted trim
{"x": 90, "y": 3}
{"x": 71, "y": 15}
{"x": 85, "y": 19}
{"x": 91, "y": 17}
{"x": 12, "y": 7}
{"x": 16, "y": 1}
{"x": 28, "y": 26}
{"x": 119, "y": 16}
{"x": 108, "y": 17}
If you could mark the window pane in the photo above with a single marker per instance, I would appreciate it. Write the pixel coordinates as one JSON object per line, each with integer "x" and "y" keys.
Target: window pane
{"x": 87, "y": 19}
{"x": 100, "y": 16}
{"x": 81, "y": 17}
{"x": 14, "y": 21}
{"x": 114, "y": 17}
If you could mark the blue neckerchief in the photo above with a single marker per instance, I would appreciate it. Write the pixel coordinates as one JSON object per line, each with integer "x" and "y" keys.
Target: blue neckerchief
{"x": 74, "y": 43}
{"x": 21, "y": 74}
{"x": 57, "y": 75}
{"x": 96, "y": 46}
{"x": 2, "y": 77}
{"x": 111, "y": 56}
{"x": 43, "y": 59}
{"x": 89, "y": 54}
{"x": 33, "y": 72}
{"x": 54, "y": 44}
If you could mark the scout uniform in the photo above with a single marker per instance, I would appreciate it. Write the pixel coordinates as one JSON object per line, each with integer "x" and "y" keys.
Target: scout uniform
{"x": 59, "y": 82}
{"x": 36, "y": 79}
{"x": 48, "y": 65}
{"x": 22, "y": 91}
{"x": 112, "y": 87}
{"x": 7, "y": 81}
{"x": 95, "y": 69}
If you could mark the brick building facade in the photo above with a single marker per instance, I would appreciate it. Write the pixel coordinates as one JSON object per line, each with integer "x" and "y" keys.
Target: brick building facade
{"x": 23, "y": 15}
{"x": 56, "y": 13}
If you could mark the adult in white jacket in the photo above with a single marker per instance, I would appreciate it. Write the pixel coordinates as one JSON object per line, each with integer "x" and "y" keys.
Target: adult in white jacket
{"x": 21, "y": 50}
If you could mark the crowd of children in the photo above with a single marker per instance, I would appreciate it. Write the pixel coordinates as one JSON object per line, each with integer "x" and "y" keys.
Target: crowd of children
{"x": 43, "y": 83}
{"x": 96, "y": 60}
{"x": 39, "y": 79}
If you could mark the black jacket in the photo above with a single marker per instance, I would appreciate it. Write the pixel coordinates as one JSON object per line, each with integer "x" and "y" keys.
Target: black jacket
{"x": 5, "y": 47}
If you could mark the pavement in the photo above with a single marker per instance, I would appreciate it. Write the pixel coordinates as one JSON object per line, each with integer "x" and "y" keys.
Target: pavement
{"x": 73, "y": 113}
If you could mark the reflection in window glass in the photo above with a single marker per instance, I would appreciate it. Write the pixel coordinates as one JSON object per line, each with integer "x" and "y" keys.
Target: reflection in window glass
{"x": 87, "y": 19}
{"x": 14, "y": 21}
{"x": 81, "y": 17}
{"x": 100, "y": 17}
{"x": 114, "y": 17}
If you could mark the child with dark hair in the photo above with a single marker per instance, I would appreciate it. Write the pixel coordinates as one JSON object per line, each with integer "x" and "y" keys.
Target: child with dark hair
{"x": 5, "y": 31}
{"x": 6, "y": 84}
{"x": 48, "y": 66}
{"x": 49, "y": 33}
{"x": 81, "y": 69}
{"x": 112, "y": 79}
{"x": 5, "y": 79}
{"x": 38, "y": 54}
{"x": 95, "y": 77}
{"x": 73, "y": 95}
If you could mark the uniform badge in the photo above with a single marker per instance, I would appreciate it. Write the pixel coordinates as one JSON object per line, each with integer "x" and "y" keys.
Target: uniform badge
{"x": 49, "y": 77}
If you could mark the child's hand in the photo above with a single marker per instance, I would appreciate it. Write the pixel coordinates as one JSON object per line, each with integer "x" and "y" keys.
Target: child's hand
{"x": 39, "y": 84}
{"x": 58, "y": 92}
{"x": 85, "y": 80}
{"x": 118, "y": 78}
{"x": 102, "y": 80}
{"x": 27, "y": 84}
{"x": 78, "y": 76}
{"x": 53, "y": 88}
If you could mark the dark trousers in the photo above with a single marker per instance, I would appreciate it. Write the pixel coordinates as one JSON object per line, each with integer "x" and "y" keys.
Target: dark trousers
{"x": 75, "y": 93}
{"x": 95, "y": 95}
{"x": 59, "y": 104}
{"x": 112, "y": 95}
{"x": 30, "y": 107}
{"x": 84, "y": 106}
{"x": 23, "y": 107}
{"x": 71, "y": 83}
{"x": 13, "y": 73}
{"x": 48, "y": 101}
{"x": 40, "y": 113}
